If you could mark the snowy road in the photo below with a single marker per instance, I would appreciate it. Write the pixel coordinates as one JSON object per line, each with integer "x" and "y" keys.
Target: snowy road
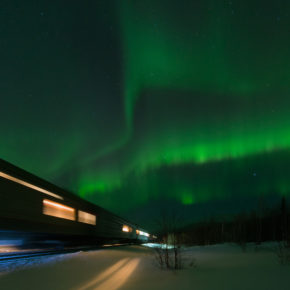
{"x": 223, "y": 267}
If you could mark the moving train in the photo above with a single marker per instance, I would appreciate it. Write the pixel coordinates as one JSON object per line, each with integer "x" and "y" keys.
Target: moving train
{"x": 36, "y": 209}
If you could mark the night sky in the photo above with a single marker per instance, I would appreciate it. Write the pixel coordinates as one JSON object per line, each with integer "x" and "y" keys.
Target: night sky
{"x": 142, "y": 106}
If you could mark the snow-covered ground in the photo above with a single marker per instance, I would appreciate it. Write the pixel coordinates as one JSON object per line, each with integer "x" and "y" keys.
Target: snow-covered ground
{"x": 224, "y": 267}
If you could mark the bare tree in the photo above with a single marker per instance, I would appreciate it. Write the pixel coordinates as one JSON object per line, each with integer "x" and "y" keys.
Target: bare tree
{"x": 169, "y": 254}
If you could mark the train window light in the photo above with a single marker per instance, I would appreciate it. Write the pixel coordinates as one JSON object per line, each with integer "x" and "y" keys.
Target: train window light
{"x": 58, "y": 210}
{"x": 27, "y": 184}
{"x": 142, "y": 233}
{"x": 127, "y": 229}
{"x": 85, "y": 217}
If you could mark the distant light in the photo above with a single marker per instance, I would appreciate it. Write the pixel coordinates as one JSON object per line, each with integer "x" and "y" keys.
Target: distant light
{"x": 24, "y": 183}
{"x": 159, "y": 246}
{"x": 58, "y": 210}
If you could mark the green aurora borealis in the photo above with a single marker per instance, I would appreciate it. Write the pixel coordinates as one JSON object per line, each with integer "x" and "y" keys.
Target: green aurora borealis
{"x": 136, "y": 104}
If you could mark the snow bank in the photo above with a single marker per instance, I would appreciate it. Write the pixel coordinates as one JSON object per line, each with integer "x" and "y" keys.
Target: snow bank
{"x": 224, "y": 267}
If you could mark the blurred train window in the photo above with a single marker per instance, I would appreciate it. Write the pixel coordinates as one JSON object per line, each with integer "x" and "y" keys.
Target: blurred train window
{"x": 24, "y": 183}
{"x": 58, "y": 210}
{"x": 138, "y": 232}
{"x": 85, "y": 217}
{"x": 127, "y": 229}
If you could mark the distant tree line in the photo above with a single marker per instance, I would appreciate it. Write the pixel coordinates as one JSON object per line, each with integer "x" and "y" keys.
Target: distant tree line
{"x": 257, "y": 227}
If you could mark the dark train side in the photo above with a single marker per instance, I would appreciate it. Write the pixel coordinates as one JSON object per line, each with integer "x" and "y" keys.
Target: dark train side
{"x": 36, "y": 208}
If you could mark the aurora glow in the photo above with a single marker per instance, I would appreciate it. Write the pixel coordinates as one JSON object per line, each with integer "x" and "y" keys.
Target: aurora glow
{"x": 149, "y": 101}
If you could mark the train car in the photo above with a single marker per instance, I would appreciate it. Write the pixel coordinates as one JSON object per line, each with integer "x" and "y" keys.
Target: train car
{"x": 33, "y": 207}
